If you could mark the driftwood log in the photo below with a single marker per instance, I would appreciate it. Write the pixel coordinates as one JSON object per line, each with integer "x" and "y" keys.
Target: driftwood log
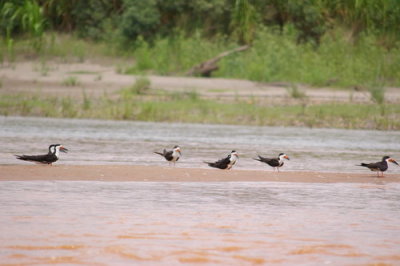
{"x": 205, "y": 68}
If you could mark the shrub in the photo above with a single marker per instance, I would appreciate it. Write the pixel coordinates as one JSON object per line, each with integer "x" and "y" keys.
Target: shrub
{"x": 70, "y": 81}
{"x": 140, "y": 18}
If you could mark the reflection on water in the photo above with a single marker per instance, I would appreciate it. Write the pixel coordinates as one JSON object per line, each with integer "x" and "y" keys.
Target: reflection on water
{"x": 126, "y": 142}
{"x": 237, "y": 223}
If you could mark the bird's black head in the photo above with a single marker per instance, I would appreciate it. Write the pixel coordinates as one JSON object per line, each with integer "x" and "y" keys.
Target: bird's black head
{"x": 282, "y": 156}
{"x": 234, "y": 153}
{"x": 389, "y": 159}
{"x": 53, "y": 147}
{"x": 177, "y": 149}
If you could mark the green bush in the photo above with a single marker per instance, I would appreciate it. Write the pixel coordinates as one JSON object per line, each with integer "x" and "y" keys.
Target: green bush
{"x": 22, "y": 16}
{"x": 308, "y": 20}
{"x": 140, "y": 18}
{"x": 141, "y": 86}
{"x": 175, "y": 54}
{"x": 276, "y": 57}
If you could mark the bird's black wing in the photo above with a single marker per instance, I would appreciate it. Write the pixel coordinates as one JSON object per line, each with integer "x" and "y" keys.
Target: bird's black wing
{"x": 45, "y": 158}
{"x": 168, "y": 155}
{"x": 379, "y": 166}
{"x": 270, "y": 161}
{"x": 222, "y": 164}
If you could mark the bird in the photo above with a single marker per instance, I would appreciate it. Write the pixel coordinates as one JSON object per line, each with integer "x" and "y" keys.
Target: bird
{"x": 49, "y": 158}
{"x": 225, "y": 163}
{"x": 273, "y": 162}
{"x": 381, "y": 166}
{"x": 171, "y": 156}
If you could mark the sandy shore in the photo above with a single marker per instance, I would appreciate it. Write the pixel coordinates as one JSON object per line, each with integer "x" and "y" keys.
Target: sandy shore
{"x": 170, "y": 174}
{"x": 96, "y": 80}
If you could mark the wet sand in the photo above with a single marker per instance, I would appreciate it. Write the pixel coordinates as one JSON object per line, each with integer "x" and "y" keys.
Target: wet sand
{"x": 175, "y": 174}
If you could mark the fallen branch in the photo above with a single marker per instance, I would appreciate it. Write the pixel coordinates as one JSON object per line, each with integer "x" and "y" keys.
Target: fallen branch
{"x": 204, "y": 69}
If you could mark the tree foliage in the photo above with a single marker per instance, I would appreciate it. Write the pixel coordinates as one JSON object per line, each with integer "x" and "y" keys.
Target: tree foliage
{"x": 140, "y": 18}
{"x": 238, "y": 19}
{"x": 21, "y": 16}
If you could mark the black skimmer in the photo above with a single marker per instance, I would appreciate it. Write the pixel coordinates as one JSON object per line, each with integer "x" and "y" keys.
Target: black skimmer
{"x": 273, "y": 162}
{"x": 225, "y": 163}
{"x": 49, "y": 158}
{"x": 381, "y": 166}
{"x": 171, "y": 156}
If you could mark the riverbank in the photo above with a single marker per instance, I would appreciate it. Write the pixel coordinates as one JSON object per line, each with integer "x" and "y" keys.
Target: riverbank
{"x": 136, "y": 173}
{"x": 89, "y": 90}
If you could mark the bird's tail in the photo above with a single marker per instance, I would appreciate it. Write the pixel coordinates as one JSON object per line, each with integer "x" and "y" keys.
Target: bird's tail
{"x": 209, "y": 163}
{"x": 260, "y": 159}
{"x": 162, "y": 154}
{"x": 362, "y": 164}
{"x": 21, "y": 157}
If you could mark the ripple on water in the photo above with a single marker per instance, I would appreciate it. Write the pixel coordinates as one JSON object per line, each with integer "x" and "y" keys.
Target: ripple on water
{"x": 204, "y": 223}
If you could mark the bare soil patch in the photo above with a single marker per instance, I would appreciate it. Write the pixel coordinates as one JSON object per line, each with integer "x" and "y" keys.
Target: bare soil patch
{"x": 94, "y": 80}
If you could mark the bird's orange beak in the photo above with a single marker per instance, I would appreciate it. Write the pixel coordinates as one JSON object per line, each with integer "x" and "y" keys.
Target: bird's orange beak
{"x": 63, "y": 149}
{"x": 393, "y": 161}
{"x": 286, "y": 157}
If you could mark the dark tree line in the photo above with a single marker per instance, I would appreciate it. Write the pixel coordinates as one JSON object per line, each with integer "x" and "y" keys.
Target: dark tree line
{"x": 237, "y": 19}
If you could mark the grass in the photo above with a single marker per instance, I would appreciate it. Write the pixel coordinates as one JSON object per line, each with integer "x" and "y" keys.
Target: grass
{"x": 70, "y": 81}
{"x": 189, "y": 107}
{"x": 42, "y": 67}
{"x": 175, "y": 55}
{"x": 377, "y": 95}
{"x": 141, "y": 86}
{"x": 274, "y": 58}
{"x": 295, "y": 92}
{"x": 83, "y": 72}
{"x": 64, "y": 47}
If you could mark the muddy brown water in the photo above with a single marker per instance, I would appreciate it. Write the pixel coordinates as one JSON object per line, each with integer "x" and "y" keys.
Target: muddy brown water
{"x": 229, "y": 223}
{"x": 203, "y": 223}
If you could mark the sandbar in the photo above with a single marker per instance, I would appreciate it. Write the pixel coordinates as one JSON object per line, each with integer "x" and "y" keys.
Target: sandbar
{"x": 141, "y": 173}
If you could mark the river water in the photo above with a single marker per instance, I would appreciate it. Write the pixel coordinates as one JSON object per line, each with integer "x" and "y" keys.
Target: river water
{"x": 126, "y": 142}
{"x": 239, "y": 223}
{"x": 230, "y": 223}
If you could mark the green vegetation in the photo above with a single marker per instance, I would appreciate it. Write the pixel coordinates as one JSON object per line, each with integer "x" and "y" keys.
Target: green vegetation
{"x": 276, "y": 57}
{"x": 127, "y": 20}
{"x": 378, "y": 95}
{"x": 343, "y": 43}
{"x": 22, "y": 16}
{"x": 347, "y": 47}
{"x": 82, "y": 72}
{"x": 295, "y": 92}
{"x": 141, "y": 86}
{"x": 189, "y": 107}
{"x": 70, "y": 81}
{"x": 349, "y": 44}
